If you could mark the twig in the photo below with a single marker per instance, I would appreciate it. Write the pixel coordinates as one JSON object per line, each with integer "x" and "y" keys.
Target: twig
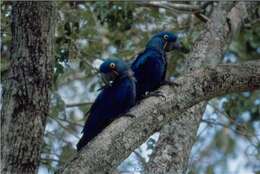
{"x": 64, "y": 127}
{"x": 80, "y": 54}
{"x": 48, "y": 159}
{"x": 156, "y": 5}
{"x": 198, "y": 12}
{"x": 78, "y": 104}
{"x": 232, "y": 121}
{"x": 71, "y": 77}
{"x": 184, "y": 7}
{"x": 70, "y": 122}
{"x": 225, "y": 114}
{"x": 55, "y": 136}
{"x": 201, "y": 16}
{"x": 246, "y": 135}
{"x": 51, "y": 153}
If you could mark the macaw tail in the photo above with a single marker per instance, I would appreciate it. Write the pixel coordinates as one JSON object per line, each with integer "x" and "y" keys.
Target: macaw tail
{"x": 82, "y": 142}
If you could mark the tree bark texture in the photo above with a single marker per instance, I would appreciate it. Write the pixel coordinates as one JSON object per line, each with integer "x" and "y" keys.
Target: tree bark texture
{"x": 124, "y": 135}
{"x": 26, "y": 87}
{"x": 173, "y": 147}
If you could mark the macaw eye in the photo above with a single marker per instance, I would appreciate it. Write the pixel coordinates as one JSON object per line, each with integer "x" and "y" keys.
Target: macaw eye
{"x": 166, "y": 37}
{"x": 112, "y": 65}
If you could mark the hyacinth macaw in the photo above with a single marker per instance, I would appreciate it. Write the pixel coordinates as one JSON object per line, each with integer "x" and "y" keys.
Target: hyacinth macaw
{"x": 114, "y": 100}
{"x": 150, "y": 66}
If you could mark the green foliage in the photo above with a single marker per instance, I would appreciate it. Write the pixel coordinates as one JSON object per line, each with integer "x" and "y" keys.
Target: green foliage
{"x": 5, "y": 36}
{"x": 117, "y": 15}
{"x": 67, "y": 153}
{"x": 246, "y": 43}
{"x": 237, "y": 105}
{"x": 223, "y": 142}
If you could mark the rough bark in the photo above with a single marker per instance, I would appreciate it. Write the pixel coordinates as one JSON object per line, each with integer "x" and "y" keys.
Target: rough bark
{"x": 26, "y": 87}
{"x": 173, "y": 148}
{"x": 119, "y": 139}
{"x": 174, "y": 145}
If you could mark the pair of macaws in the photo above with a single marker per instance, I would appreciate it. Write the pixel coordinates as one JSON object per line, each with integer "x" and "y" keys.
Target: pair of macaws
{"x": 128, "y": 85}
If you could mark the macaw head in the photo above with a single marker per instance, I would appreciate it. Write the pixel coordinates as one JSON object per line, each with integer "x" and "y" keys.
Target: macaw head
{"x": 165, "y": 41}
{"x": 112, "y": 69}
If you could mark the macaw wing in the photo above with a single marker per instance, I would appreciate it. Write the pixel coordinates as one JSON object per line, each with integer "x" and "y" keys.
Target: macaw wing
{"x": 139, "y": 61}
{"x": 94, "y": 112}
{"x": 126, "y": 97}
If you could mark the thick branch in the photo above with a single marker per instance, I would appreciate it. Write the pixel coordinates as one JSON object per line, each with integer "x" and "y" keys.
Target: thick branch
{"x": 176, "y": 138}
{"x": 125, "y": 134}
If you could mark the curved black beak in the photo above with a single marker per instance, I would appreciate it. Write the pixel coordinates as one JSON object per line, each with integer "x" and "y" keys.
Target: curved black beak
{"x": 172, "y": 46}
{"x": 108, "y": 78}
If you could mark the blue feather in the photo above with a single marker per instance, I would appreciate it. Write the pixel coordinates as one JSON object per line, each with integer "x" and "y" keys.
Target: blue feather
{"x": 150, "y": 66}
{"x": 112, "y": 102}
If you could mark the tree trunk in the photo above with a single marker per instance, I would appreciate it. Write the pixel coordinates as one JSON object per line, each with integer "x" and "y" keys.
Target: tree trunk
{"x": 173, "y": 148}
{"x": 26, "y": 87}
{"x": 174, "y": 145}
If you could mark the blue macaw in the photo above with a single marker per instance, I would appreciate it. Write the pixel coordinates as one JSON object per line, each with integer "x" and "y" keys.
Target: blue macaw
{"x": 115, "y": 99}
{"x": 150, "y": 66}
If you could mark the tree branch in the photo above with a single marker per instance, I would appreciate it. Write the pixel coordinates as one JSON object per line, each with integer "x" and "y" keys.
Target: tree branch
{"x": 119, "y": 139}
{"x": 157, "y": 5}
{"x": 64, "y": 127}
{"x": 78, "y": 104}
{"x": 173, "y": 147}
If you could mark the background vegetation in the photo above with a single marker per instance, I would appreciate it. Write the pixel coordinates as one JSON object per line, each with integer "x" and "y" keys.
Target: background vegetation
{"x": 87, "y": 32}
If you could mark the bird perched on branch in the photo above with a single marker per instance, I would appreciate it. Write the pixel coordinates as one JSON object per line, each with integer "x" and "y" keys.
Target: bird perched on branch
{"x": 150, "y": 66}
{"x": 115, "y": 99}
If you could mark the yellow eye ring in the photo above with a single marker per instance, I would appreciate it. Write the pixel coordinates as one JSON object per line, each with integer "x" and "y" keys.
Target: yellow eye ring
{"x": 112, "y": 65}
{"x": 165, "y": 37}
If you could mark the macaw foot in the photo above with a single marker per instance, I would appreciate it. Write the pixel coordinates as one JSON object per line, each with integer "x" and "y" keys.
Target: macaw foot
{"x": 154, "y": 94}
{"x": 129, "y": 115}
{"x": 170, "y": 83}
{"x": 139, "y": 101}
